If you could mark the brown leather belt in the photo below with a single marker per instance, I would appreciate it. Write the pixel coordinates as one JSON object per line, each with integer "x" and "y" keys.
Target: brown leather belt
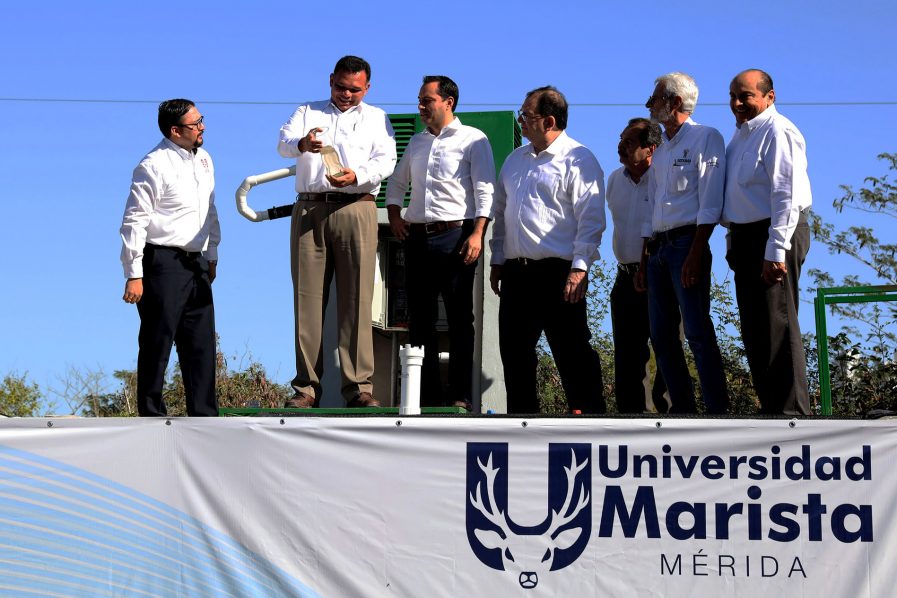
{"x": 431, "y": 228}
{"x": 331, "y": 197}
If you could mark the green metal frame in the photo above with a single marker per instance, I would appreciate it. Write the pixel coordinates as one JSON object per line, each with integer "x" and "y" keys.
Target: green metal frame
{"x": 826, "y": 297}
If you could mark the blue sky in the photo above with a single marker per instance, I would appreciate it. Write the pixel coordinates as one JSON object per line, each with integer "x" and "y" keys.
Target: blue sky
{"x": 66, "y": 165}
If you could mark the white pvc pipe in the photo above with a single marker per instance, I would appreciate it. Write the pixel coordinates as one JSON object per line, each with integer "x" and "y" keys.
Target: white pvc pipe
{"x": 258, "y": 179}
{"x": 412, "y": 359}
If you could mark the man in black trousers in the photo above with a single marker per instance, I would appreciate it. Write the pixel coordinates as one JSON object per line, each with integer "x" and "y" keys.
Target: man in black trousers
{"x": 629, "y": 203}
{"x": 549, "y": 216}
{"x": 170, "y": 236}
{"x": 767, "y": 200}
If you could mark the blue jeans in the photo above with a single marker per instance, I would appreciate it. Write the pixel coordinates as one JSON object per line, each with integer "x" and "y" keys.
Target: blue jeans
{"x": 665, "y": 291}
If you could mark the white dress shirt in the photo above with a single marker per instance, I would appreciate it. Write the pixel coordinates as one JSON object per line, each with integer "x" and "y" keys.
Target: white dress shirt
{"x": 689, "y": 179}
{"x": 549, "y": 204}
{"x": 362, "y": 137}
{"x": 629, "y": 205}
{"x": 172, "y": 203}
{"x": 766, "y": 177}
{"x": 452, "y": 175}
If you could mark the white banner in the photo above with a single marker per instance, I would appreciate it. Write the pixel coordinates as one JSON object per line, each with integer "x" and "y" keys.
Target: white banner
{"x": 454, "y": 506}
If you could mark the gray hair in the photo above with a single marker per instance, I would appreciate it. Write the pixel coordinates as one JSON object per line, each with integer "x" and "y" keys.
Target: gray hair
{"x": 681, "y": 85}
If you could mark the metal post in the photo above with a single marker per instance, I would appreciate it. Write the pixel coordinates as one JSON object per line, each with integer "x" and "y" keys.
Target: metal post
{"x": 825, "y": 382}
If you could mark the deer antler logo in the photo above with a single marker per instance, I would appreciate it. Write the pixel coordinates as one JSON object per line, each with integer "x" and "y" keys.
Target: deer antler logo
{"x": 529, "y": 552}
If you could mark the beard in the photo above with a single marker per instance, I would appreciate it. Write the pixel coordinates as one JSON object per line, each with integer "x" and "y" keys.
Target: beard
{"x": 662, "y": 114}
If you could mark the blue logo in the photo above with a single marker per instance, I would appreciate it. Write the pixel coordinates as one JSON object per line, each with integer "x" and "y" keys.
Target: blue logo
{"x": 529, "y": 552}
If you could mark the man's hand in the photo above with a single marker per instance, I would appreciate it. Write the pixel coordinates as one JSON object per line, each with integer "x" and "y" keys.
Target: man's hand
{"x": 397, "y": 224}
{"x": 344, "y": 180}
{"x": 495, "y": 280}
{"x": 133, "y": 290}
{"x": 640, "y": 281}
{"x": 213, "y": 271}
{"x": 576, "y": 286}
{"x": 640, "y": 278}
{"x": 692, "y": 267}
{"x": 310, "y": 142}
{"x": 472, "y": 248}
{"x": 774, "y": 272}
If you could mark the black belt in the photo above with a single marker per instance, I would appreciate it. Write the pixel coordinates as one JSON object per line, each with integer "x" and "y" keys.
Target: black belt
{"x": 331, "y": 197}
{"x": 432, "y": 228}
{"x": 629, "y": 269}
{"x": 668, "y": 236}
{"x": 181, "y": 252}
{"x": 528, "y": 261}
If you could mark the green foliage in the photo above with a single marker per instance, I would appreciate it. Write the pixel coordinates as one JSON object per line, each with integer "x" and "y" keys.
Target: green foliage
{"x": 18, "y": 398}
{"x": 120, "y": 403}
{"x": 243, "y": 387}
{"x": 862, "y": 353}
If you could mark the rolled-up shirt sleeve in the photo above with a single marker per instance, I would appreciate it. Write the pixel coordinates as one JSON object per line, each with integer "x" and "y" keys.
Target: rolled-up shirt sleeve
{"x": 587, "y": 193}
{"x": 211, "y": 252}
{"x": 382, "y": 160}
{"x": 784, "y": 158}
{"x": 648, "y": 222}
{"x": 712, "y": 182}
{"x": 290, "y": 134}
{"x": 497, "y": 243}
{"x": 397, "y": 185}
{"x": 482, "y": 176}
{"x": 138, "y": 212}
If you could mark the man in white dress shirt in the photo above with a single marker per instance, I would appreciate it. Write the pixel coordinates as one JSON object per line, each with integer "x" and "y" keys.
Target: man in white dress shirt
{"x": 451, "y": 171}
{"x": 767, "y": 200}
{"x": 549, "y": 216}
{"x": 687, "y": 184}
{"x": 629, "y": 204}
{"x": 170, "y": 238}
{"x": 334, "y": 229}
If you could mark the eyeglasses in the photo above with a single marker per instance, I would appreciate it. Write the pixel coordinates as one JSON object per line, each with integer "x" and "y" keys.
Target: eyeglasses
{"x": 523, "y": 116}
{"x": 202, "y": 119}
{"x": 653, "y": 98}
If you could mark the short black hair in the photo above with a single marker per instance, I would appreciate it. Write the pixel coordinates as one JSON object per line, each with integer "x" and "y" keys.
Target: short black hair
{"x": 171, "y": 112}
{"x": 550, "y": 102}
{"x": 649, "y": 133}
{"x": 446, "y": 88}
{"x": 352, "y": 64}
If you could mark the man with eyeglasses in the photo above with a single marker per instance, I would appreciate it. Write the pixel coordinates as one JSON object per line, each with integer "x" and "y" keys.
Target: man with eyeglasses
{"x": 686, "y": 191}
{"x": 343, "y": 148}
{"x": 767, "y": 199}
{"x": 549, "y": 216}
{"x": 629, "y": 204}
{"x": 451, "y": 171}
{"x": 170, "y": 237}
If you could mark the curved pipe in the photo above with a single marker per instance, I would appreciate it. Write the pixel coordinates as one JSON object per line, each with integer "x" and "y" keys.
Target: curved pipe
{"x": 259, "y": 179}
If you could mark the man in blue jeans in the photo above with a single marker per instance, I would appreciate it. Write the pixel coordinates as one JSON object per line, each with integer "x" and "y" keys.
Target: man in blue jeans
{"x": 686, "y": 196}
